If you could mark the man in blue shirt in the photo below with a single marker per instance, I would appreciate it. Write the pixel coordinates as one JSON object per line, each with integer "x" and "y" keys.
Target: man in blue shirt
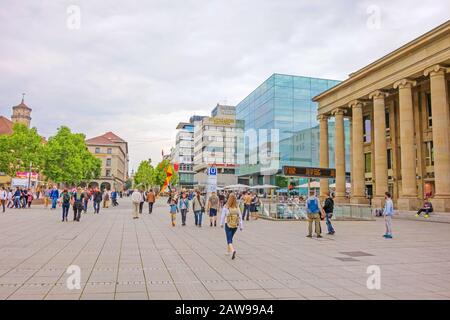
{"x": 388, "y": 212}
{"x": 313, "y": 213}
{"x": 54, "y": 195}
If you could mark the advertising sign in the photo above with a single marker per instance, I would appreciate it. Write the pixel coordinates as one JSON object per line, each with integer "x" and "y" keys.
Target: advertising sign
{"x": 211, "y": 184}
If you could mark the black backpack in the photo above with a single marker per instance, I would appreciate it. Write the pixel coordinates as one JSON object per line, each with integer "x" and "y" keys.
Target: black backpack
{"x": 329, "y": 205}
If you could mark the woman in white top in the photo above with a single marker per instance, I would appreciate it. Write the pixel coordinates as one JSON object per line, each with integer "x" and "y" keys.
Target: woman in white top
{"x": 232, "y": 218}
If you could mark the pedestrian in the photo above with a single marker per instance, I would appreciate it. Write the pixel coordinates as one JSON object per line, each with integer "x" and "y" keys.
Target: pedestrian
{"x": 212, "y": 208}
{"x": 198, "y": 206}
{"x": 328, "y": 208}
{"x": 173, "y": 209}
{"x": 254, "y": 206}
{"x": 97, "y": 199}
{"x": 65, "y": 201}
{"x": 143, "y": 199}
{"x": 183, "y": 205}
{"x": 17, "y": 195}
{"x": 114, "y": 198}
{"x": 247, "y": 198}
{"x": 106, "y": 198}
{"x": 427, "y": 208}
{"x": 54, "y": 195}
{"x": 313, "y": 212}
{"x": 24, "y": 198}
{"x": 388, "y": 212}
{"x": 87, "y": 197}
{"x": 150, "y": 200}
{"x": 47, "y": 197}
{"x": 29, "y": 198}
{"x": 232, "y": 219}
{"x": 10, "y": 199}
{"x": 3, "y": 198}
{"x": 136, "y": 198}
{"x": 77, "y": 204}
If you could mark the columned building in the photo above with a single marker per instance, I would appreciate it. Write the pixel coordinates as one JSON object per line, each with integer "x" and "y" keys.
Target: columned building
{"x": 398, "y": 107}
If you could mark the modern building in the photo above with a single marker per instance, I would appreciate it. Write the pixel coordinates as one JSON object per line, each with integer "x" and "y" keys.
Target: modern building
{"x": 399, "y": 111}
{"x": 215, "y": 142}
{"x": 113, "y": 152}
{"x": 183, "y": 153}
{"x": 280, "y": 127}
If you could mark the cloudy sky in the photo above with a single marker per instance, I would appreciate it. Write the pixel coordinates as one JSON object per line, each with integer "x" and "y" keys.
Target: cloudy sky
{"x": 137, "y": 68}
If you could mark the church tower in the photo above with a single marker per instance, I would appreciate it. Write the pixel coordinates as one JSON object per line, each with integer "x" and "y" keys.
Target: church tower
{"x": 21, "y": 113}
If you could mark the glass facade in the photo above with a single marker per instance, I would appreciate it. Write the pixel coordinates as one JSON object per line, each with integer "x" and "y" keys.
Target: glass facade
{"x": 284, "y": 103}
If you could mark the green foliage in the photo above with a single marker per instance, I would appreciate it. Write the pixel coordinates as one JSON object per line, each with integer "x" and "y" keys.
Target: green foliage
{"x": 128, "y": 184}
{"x": 159, "y": 173}
{"x": 281, "y": 182}
{"x": 144, "y": 175}
{"x": 19, "y": 149}
{"x": 67, "y": 159}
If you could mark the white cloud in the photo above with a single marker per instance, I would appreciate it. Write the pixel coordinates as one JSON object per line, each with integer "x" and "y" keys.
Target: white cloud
{"x": 139, "y": 67}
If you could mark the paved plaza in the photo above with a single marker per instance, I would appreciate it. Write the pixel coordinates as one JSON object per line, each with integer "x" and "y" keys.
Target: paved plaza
{"x": 122, "y": 258}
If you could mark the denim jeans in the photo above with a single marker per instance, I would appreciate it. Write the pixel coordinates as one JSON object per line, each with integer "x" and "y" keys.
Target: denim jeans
{"x": 198, "y": 217}
{"x": 65, "y": 211}
{"x": 328, "y": 222}
{"x": 183, "y": 216}
{"x": 96, "y": 207}
{"x": 17, "y": 202}
{"x": 229, "y": 232}
{"x": 85, "y": 204}
{"x": 246, "y": 211}
{"x": 54, "y": 202}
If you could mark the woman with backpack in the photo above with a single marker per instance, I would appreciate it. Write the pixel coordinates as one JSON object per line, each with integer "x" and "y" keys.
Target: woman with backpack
{"x": 198, "y": 206}
{"x": 232, "y": 219}
{"x": 65, "y": 200}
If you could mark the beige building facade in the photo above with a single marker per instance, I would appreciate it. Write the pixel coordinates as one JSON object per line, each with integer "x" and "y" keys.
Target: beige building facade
{"x": 113, "y": 152}
{"x": 400, "y": 126}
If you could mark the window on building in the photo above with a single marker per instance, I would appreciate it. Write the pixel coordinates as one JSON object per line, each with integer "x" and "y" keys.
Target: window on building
{"x": 108, "y": 172}
{"x": 367, "y": 129}
{"x": 108, "y": 162}
{"x": 429, "y": 156}
{"x": 109, "y": 151}
{"x": 389, "y": 158}
{"x": 368, "y": 162}
{"x": 429, "y": 113}
{"x": 97, "y": 150}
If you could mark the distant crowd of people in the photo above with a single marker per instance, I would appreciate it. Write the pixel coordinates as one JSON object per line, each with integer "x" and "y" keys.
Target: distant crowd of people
{"x": 18, "y": 198}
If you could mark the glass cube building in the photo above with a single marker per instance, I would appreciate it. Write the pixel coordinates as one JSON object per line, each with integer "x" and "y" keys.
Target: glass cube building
{"x": 283, "y": 102}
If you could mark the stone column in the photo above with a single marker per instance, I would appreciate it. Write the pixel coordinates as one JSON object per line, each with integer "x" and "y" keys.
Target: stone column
{"x": 339, "y": 153}
{"x": 408, "y": 197}
{"x": 441, "y": 140}
{"x": 380, "y": 149}
{"x": 323, "y": 152}
{"x": 358, "y": 172}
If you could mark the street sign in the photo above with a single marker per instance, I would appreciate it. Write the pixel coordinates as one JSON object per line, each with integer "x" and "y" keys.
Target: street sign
{"x": 211, "y": 185}
{"x": 309, "y": 172}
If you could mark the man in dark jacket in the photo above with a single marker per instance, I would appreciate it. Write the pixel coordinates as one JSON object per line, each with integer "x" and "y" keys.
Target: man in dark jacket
{"x": 328, "y": 207}
{"x": 97, "y": 197}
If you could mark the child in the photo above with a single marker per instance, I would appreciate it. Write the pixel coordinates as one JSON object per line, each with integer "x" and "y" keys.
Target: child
{"x": 388, "y": 212}
{"x": 173, "y": 211}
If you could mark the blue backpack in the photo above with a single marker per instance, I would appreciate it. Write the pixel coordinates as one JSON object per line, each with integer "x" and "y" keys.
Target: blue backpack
{"x": 313, "y": 205}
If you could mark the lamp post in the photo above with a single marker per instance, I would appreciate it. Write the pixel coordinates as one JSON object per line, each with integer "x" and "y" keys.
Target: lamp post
{"x": 29, "y": 175}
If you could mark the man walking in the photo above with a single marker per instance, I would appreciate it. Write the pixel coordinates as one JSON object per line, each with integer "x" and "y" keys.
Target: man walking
{"x": 136, "y": 198}
{"x": 54, "y": 195}
{"x": 97, "y": 198}
{"x": 77, "y": 203}
{"x": 3, "y": 197}
{"x": 313, "y": 213}
{"x": 328, "y": 208}
{"x": 150, "y": 200}
{"x": 247, "y": 202}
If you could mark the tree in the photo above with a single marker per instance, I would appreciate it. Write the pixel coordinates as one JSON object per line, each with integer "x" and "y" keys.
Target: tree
{"x": 18, "y": 150}
{"x": 144, "y": 175}
{"x": 159, "y": 173}
{"x": 281, "y": 182}
{"x": 67, "y": 159}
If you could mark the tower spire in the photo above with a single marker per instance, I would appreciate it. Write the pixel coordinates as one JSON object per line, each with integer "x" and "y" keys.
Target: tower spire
{"x": 23, "y": 97}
